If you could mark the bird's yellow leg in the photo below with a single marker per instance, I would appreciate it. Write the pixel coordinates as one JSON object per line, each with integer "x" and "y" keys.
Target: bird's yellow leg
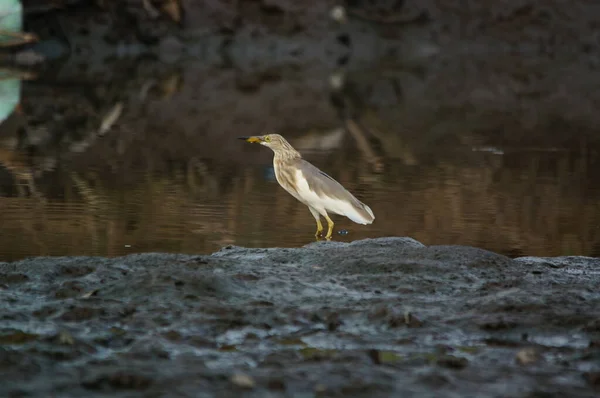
{"x": 319, "y": 228}
{"x": 330, "y": 225}
{"x": 318, "y": 220}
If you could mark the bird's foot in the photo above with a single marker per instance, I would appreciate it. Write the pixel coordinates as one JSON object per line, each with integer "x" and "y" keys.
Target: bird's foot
{"x": 330, "y": 225}
{"x": 329, "y": 230}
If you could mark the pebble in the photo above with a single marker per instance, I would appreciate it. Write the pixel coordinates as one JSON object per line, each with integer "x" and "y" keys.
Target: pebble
{"x": 527, "y": 356}
{"x": 243, "y": 380}
{"x": 338, "y": 14}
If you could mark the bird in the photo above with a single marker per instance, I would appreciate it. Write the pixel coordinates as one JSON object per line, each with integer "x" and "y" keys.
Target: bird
{"x": 311, "y": 186}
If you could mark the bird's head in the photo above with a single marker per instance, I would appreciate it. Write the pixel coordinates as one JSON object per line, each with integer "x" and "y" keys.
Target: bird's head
{"x": 273, "y": 141}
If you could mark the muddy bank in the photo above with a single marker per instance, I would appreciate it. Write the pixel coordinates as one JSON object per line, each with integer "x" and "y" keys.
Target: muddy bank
{"x": 384, "y": 317}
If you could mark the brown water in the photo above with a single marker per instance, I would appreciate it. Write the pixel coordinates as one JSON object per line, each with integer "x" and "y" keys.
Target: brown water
{"x": 170, "y": 176}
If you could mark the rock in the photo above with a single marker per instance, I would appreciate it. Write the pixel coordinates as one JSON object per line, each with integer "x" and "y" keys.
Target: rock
{"x": 527, "y": 356}
{"x": 243, "y": 380}
{"x": 365, "y": 313}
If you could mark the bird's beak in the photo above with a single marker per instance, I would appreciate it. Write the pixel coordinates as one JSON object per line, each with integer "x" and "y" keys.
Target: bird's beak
{"x": 252, "y": 140}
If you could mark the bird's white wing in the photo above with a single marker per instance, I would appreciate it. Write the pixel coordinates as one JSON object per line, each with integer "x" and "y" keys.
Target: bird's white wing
{"x": 322, "y": 192}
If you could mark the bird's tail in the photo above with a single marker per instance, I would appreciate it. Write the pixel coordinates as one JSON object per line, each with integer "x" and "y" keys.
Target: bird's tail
{"x": 360, "y": 214}
{"x": 368, "y": 209}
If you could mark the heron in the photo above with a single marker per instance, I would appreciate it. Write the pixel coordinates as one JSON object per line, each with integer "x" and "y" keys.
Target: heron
{"x": 309, "y": 185}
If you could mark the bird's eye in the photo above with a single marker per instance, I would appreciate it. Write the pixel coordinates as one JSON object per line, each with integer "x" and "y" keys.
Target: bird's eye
{"x": 268, "y": 139}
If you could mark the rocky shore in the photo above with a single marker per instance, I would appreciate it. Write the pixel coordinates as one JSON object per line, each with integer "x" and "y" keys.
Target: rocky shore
{"x": 376, "y": 317}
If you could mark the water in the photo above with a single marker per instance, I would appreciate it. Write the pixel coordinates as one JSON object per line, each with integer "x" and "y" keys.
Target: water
{"x": 153, "y": 164}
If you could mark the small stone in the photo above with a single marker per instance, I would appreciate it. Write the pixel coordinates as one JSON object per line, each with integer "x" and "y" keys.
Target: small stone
{"x": 89, "y": 294}
{"x": 338, "y": 14}
{"x": 527, "y": 356}
{"x": 243, "y": 380}
{"x": 65, "y": 338}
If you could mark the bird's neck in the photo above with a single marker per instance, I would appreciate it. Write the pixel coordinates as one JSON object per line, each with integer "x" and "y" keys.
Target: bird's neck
{"x": 287, "y": 155}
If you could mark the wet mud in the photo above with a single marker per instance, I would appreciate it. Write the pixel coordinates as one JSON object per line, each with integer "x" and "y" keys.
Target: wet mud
{"x": 375, "y": 317}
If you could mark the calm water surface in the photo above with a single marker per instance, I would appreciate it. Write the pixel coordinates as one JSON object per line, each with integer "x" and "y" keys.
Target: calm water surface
{"x": 151, "y": 184}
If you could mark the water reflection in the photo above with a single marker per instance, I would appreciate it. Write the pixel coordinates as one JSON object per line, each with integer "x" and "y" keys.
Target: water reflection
{"x": 10, "y": 92}
{"x": 153, "y": 165}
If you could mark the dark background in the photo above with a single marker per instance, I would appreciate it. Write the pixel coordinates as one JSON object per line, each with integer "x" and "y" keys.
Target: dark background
{"x": 458, "y": 122}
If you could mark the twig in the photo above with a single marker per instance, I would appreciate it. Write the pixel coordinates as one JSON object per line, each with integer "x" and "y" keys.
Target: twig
{"x": 363, "y": 144}
{"x": 20, "y": 38}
